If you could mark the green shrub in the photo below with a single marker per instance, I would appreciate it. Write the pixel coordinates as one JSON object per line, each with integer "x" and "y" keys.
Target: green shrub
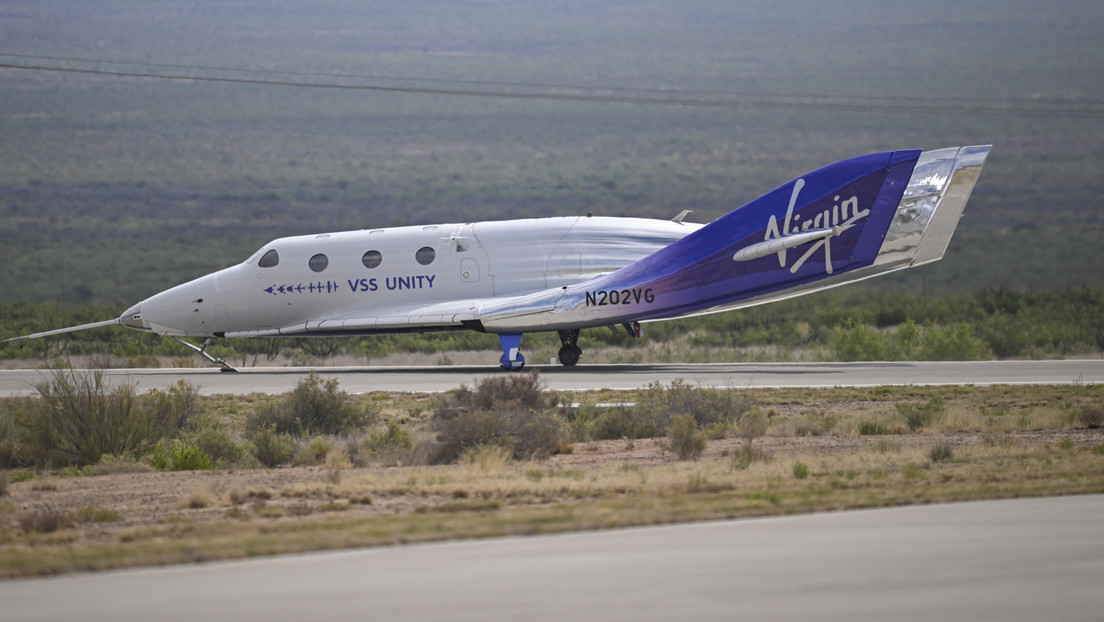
{"x": 4, "y": 483}
{"x": 603, "y": 424}
{"x": 314, "y": 407}
{"x": 469, "y": 429}
{"x": 751, "y": 426}
{"x": 685, "y": 439}
{"x": 271, "y": 448}
{"x": 914, "y": 471}
{"x": 941, "y": 453}
{"x": 9, "y": 439}
{"x": 180, "y": 455}
{"x": 800, "y": 470}
{"x": 509, "y": 411}
{"x": 394, "y": 435}
{"x": 175, "y": 408}
{"x": 814, "y": 423}
{"x": 885, "y": 446}
{"x": 505, "y": 391}
{"x": 957, "y": 343}
{"x": 715, "y": 410}
{"x": 217, "y": 443}
{"x": 113, "y": 465}
{"x": 746, "y": 455}
{"x": 389, "y": 444}
{"x": 917, "y": 417}
{"x": 314, "y": 451}
{"x": 539, "y": 434}
{"x": 77, "y": 419}
{"x": 708, "y": 406}
{"x": 859, "y": 342}
{"x": 871, "y": 428}
{"x": 81, "y": 419}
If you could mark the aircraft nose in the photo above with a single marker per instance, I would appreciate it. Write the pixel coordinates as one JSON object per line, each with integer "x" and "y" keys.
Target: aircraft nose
{"x": 132, "y": 318}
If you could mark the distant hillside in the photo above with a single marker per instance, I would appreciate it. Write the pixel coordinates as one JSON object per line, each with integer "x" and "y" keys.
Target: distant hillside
{"x": 113, "y": 188}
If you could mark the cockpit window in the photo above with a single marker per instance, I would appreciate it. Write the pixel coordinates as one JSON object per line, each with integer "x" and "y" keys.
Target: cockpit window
{"x": 270, "y": 259}
{"x": 319, "y": 262}
{"x": 425, "y": 255}
{"x": 371, "y": 259}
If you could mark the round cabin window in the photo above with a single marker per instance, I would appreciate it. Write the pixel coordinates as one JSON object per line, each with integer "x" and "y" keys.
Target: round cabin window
{"x": 319, "y": 262}
{"x": 425, "y": 255}
{"x": 371, "y": 259}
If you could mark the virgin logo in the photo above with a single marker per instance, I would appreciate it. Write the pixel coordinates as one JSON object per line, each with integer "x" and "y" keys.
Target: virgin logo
{"x": 842, "y": 215}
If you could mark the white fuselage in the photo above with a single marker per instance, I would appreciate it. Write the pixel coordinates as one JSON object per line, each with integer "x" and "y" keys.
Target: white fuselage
{"x": 386, "y": 273}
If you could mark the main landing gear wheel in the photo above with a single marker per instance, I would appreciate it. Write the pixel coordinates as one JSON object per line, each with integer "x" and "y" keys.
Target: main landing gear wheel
{"x": 570, "y": 352}
{"x": 569, "y": 355}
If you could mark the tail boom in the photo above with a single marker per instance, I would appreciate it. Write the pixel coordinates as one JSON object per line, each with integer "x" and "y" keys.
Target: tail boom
{"x": 852, "y": 220}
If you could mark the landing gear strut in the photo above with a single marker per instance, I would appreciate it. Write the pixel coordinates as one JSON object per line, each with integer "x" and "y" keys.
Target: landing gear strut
{"x": 511, "y": 351}
{"x": 223, "y": 365}
{"x": 570, "y": 352}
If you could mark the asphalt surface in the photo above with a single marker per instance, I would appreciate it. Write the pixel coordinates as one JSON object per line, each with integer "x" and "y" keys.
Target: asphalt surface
{"x": 1025, "y": 559}
{"x": 211, "y": 381}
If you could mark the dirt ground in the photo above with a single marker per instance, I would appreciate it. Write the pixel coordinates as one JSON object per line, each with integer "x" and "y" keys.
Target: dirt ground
{"x": 151, "y": 498}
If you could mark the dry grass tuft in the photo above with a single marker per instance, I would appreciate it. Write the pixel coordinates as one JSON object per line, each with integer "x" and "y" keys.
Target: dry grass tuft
{"x": 95, "y": 514}
{"x": 47, "y": 520}
{"x": 1091, "y": 416}
{"x": 196, "y": 500}
{"x": 486, "y": 458}
{"x": 264, "y": 510}
{"x": 43, "y": 485}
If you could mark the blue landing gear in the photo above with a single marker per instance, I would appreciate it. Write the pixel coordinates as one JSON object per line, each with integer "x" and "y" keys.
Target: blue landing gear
{"x": 511, "y": 351}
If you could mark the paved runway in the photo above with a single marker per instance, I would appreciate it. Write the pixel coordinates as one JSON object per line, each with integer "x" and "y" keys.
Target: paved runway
{"x": 1027, "y": 559}
{"x": 585, "y": 377}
